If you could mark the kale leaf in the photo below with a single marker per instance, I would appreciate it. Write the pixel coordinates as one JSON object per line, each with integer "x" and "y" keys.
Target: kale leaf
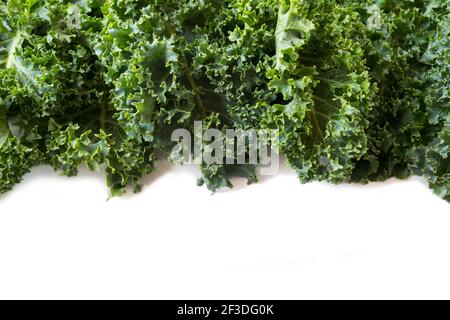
{"x": 358, "y": 91}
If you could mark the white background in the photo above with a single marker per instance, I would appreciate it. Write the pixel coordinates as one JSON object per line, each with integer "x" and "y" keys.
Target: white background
{"x": 61, "y": 239}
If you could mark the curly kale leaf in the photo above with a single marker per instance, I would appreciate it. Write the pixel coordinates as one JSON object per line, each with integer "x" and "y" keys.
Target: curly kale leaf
{"x": 431, "y": 157}
{"x": 358, "y": 91}
{"x": 16, "y": 159}
{"x": 49, "y": 78}
{"x": 324, "y": 89}
{"x": 175, "y": 62}
{"x": 408, "y": 56}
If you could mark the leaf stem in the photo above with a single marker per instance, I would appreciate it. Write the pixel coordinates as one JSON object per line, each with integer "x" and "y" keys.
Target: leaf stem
{"x": 102, "y": 116}
{"x": 10, "y": 61}
{"x": 326, "y": 102}
{"x": 187, "y": 70}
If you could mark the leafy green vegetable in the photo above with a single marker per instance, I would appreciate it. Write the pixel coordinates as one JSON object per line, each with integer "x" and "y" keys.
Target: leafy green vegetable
{"x": 175, "y": 62}
{"x": 325, "y": 91}
{"x": 408, "y": 56}
{"x": 358, "y": 91}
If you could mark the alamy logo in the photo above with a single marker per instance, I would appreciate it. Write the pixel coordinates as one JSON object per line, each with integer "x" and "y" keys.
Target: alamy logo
{"x": 213, "y": 146}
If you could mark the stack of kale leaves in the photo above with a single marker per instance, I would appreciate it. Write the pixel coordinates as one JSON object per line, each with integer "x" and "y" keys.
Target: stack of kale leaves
{"x": 358, "y": 90}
